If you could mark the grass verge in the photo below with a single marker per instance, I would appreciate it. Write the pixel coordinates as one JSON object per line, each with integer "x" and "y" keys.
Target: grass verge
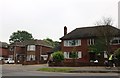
{"x": 55, "y": 69}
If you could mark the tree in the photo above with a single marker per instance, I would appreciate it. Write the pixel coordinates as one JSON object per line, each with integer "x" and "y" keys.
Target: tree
{"x": 105, "y": 33}
{"x": 51, "y": 42}
{"x": 98, "y": 47}
{"x": 20, "y": 36}
{"x": 58, "y": 56}
{"x": 117, "y": 53}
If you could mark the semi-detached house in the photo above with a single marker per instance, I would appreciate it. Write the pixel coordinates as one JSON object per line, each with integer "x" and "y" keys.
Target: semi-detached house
{"x": 30, "y": 52}
{"x": 80, "y": 39}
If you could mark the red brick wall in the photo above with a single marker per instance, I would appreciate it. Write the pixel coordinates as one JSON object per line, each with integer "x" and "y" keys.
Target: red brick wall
{"x": 4, "y": 52}
{"x": 83, "y": 48}
{"x": 45, "y": 49}
{"x": 115, "y": 47}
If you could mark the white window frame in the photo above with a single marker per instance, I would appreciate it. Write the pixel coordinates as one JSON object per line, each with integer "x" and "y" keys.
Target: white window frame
{"x": 116, "y": 38}
{"x": 67, "y": 55}
{"x": 69, "y": 42}
{"x": 91, "y": 41}
{"x": 31, "y": 48}
{"x": 105, "y": 54}
{"x": 30, "y": 56}
{"x": 79, "y": 54}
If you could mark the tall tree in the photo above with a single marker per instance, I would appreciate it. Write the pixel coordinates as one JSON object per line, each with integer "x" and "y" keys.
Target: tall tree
{"x": 104, "y": 35}
{"x": 20, "y": 36}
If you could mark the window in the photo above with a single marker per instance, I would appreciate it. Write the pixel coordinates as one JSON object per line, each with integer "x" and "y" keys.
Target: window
{"x": 72, "y": 42}
{"x": 91, "y": 41}
{"x": 66, "y": 54}
{"x": 115, "y": 41}
{"x": 11, "y": 49}
{"x": 70, "y": 54}
{"x": 30, "y": 57}
{"x": 105, "y": 54}
{"x": 31, "y": 48}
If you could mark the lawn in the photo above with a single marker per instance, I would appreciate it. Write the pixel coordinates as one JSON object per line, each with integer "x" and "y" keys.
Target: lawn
{"x": 55, "y": 69}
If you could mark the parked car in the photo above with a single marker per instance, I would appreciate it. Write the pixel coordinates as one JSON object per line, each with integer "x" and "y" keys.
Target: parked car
{"x": 9, "y": 61}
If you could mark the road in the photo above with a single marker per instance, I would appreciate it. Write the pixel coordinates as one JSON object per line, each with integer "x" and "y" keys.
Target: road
{"x": 30, "y": 70}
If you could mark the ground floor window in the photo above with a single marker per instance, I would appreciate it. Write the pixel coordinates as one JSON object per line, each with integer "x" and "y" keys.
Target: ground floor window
{"x": 105, "y": 54}
{"x": 71, "y": 55}
{"x": 30, "y": 57}
{"x": 44, "y": 57}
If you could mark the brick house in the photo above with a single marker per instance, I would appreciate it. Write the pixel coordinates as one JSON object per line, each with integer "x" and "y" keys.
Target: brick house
{"x": 30, "y": 52}
{"x": 80, "y": 39}
{"x": 4, "y": 52}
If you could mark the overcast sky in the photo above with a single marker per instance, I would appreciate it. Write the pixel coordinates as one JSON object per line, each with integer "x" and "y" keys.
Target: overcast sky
{"x": 47, "y": 18}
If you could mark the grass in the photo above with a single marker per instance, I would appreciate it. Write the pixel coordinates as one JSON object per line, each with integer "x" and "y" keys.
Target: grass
{"x": 55, "y": 69}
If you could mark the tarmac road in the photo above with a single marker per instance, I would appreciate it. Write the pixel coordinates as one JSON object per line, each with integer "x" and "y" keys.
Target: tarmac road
{"x": 11, "y": 71}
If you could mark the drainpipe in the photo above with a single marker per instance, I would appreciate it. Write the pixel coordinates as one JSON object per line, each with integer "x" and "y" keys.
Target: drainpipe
{"x": 40, "y": 52}
{"x": 15, "y": 53}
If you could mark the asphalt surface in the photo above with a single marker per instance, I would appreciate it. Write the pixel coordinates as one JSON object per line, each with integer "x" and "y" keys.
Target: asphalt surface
{"x": 29, "y": 71}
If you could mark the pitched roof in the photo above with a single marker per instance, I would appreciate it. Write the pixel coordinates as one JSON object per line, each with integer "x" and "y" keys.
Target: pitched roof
{"x": 3, "y": 44}
{"x": 31, "y": 42}
{"x": 86, "y": 32}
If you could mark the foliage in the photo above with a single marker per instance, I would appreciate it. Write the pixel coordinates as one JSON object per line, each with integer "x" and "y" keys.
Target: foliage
{"x": 51, "y": 42}
{"x": 73, "y": 55}
{"x": 98, "y": 47}
{"x": 117, "y": 53}
{"x": 105, "y": 33}
{"x": 55, "y": 69}
{"x": 58, "y": 56}
{"x": 20, "y": 36}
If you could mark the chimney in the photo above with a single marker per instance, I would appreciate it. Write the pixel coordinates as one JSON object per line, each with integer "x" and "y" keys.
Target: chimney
{"x": 65, "y": 30}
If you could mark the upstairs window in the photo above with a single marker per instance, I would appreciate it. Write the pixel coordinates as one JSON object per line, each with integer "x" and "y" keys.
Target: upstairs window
{"x": 72, "y": 42}
{"x": 115, "y": 41}
{"x": 91, "y": 41}
{"x": 31, "y": 48}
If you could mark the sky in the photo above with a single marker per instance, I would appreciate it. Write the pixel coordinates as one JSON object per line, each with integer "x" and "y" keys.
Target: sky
{"x": 47, "y": 18}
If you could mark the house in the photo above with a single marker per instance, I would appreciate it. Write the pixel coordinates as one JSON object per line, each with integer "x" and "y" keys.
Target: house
{"x": 30, "y": 52}
{"x": 80, "y": 39}
{"x": 4, "y": 52}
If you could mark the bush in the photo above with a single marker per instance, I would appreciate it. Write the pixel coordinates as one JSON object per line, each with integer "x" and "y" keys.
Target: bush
{"x": 58, "y": 56}
{"x": 73, "y": 55}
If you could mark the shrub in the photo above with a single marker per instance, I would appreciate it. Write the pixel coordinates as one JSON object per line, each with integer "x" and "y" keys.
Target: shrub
{"x": 74, "y": 55}
{"x": 58, "y": 56}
